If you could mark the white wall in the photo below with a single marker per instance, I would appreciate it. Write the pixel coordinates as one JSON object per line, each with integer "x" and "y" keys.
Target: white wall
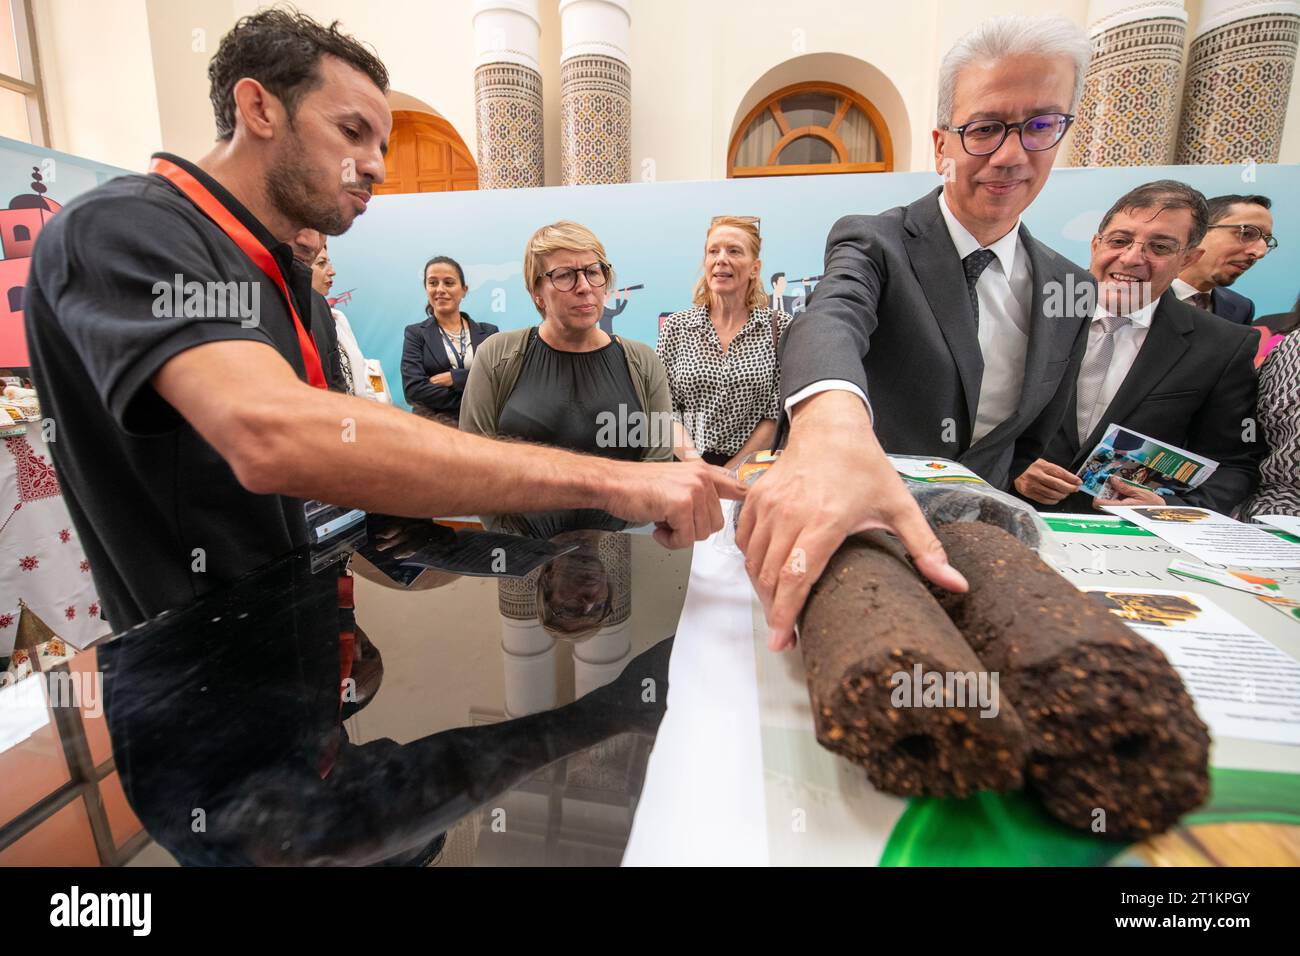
{"x": 124, "y": 78}
{"x": 97, "y": 67}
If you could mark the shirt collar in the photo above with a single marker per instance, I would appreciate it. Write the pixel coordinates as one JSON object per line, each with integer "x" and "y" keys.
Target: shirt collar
{"x": 1184, "y": 290}
{"x": 1005, "y": 248}
{"x": 1141, "y": 318}
{"x": 238, "y": 209}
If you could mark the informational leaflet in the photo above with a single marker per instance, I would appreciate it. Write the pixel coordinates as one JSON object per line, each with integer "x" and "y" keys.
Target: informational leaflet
{"x": 1213, "y": 537}
{"x": 1138, "y": 459}
{"x": 1243, "y": 685}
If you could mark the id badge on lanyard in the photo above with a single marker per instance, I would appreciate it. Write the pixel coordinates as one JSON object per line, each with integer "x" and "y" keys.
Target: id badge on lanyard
{"x": 210, "y": 206}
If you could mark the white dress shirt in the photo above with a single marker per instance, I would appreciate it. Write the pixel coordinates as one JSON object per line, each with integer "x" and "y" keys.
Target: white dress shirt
{"x": 1005, "y": 293}
{"x": 1184, "y": 290}
{"x": 1128, "y": 342}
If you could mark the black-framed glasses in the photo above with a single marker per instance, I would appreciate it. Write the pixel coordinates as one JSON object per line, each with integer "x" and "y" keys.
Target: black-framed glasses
{"x": 565, "y": 278}
{"x": 1249, "y": 235}
{"x": 985, "y": 136}
{"x": 1151, "y": 248}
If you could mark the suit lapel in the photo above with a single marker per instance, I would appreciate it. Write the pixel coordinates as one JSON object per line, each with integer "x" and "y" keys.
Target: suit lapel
{"x": 1165, "y": 344}
{"x": 476, "y": 333}
{"x": 939, "y": 270}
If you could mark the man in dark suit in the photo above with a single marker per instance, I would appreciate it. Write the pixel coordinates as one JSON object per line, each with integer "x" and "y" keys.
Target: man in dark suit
{"x": 944, "y": 324}
{"x": 1240, "y": 234}
{"x": 1153, "y": 364}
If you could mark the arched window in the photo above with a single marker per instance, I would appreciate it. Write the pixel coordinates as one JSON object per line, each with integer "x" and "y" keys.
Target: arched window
{"x": 22, "y": 234}
{"x": 811, "y": 128}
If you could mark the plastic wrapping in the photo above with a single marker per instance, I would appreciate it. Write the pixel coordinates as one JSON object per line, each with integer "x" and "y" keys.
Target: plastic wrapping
{"x": 948, "y": 492}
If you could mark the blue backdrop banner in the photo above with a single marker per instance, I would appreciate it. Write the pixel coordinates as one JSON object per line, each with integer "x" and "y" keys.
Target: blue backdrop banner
{"x": 654, "y": 234}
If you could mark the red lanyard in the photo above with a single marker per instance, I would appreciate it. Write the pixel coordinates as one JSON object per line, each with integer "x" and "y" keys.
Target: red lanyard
{"x": 211, "y": 207}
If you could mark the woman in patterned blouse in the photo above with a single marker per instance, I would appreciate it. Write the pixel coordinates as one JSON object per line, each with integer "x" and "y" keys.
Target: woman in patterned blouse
{"x": 721, "y": 355}
{"x": 1279, "y": 418}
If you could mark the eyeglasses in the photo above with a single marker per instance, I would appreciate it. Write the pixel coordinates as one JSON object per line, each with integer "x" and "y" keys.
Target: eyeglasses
{"x": 985, "y": 136}
{"x": 1249, "y": 235}
{"x": 755, "y": 221}
{"x": 566, "y": 279}
{"x": 1151, "y": 248}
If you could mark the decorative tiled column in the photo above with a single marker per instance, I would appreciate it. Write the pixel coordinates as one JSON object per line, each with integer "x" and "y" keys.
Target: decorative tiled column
{"x": 1238, "y": 81}
{"x": 1128, "y": 115}
{"x": 595, "y": 92}
{"x": 508, "y": 94}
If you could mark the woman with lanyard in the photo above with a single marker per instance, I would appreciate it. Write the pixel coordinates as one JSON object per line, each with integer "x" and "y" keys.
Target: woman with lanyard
{"x": 438, "y": 352}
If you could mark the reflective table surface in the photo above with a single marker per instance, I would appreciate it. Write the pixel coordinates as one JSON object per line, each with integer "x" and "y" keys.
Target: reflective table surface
{"x": 495, "y": 707}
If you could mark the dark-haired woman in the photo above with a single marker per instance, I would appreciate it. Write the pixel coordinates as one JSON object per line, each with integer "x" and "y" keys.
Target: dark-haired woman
{"x": 438, "y": 352}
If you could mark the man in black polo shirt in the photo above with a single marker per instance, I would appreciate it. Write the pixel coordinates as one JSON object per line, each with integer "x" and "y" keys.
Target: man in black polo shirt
{"x": 185, "y": 392}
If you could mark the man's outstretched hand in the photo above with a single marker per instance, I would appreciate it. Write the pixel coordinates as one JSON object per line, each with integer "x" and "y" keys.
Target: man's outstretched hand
{"x": 681, "y": 498}
{"x": 832, "y": 480}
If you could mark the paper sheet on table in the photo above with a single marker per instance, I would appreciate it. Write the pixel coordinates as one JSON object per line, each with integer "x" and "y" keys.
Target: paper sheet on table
{"x": 1212, "y": 537}
{"x": 1242, "y": 684}
{"x": 1288, "y": 523}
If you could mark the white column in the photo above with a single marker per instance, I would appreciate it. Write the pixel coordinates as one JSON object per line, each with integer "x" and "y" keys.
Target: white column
{"x": 528, "y": 659}
{"x": 601, "y": 658}
{"x": 527, "y": 651}
{"x": 595, "y": 92}
{"x": 508, "y": 93}
{"x": 1239, "y": 71}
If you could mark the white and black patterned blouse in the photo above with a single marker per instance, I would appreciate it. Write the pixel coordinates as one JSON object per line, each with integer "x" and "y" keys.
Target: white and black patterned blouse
{"x": 720, "y": 397}
{"x": 1279, "y": 418}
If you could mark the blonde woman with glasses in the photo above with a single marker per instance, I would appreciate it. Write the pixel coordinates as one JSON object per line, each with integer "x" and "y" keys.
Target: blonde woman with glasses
{"x": 721, "y": 354}
{"x": 567, "y": 382}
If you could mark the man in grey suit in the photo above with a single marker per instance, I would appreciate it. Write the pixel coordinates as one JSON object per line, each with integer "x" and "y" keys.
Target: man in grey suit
{"x": 943, "y": 324}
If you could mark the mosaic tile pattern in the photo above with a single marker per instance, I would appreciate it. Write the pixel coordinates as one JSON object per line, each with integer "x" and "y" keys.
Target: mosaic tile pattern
{"x": 595, "y": 121}
{"x": 508, "y": 112}
{"x": 1129, "y": 110}
{"x": 1238, "y": 85}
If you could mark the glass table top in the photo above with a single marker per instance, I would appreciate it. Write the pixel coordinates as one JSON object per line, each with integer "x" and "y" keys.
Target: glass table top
{"x": 494, "y": 704}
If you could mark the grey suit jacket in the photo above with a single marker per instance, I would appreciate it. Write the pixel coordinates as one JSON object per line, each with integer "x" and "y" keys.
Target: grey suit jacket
{"x": 893, "y": 316}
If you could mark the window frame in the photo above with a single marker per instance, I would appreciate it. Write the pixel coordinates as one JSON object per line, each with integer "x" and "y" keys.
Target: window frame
{"x": 29, "y": 64}
{"x": 772, "y": 103}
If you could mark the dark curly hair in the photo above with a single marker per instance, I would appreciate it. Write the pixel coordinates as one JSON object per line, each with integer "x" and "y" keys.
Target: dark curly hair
{"x": 281, "y": 49}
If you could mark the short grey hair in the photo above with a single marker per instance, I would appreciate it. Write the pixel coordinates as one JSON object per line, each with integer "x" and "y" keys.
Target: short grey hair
{"x": 1015, "y": 35}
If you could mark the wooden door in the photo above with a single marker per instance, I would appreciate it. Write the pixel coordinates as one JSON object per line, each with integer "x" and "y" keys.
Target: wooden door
{"x": 426, "y": 155}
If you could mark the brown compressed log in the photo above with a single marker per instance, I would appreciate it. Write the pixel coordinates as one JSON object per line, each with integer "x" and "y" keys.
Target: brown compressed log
{"x": 869, "y": 617}
{"x": 1111, "y": 725}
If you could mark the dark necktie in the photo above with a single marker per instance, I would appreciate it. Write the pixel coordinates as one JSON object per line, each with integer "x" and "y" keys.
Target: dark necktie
{"x": 975, "y": 264}
{"x": 1201, "y": 300}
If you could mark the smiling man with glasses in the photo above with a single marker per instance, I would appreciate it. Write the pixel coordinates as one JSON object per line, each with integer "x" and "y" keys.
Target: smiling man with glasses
{"x": 933, "y": 330}
{"x": 1240, "y": 234}
{"x": 1154, "y": 364}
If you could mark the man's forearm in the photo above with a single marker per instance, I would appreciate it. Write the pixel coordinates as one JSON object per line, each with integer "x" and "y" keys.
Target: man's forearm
{"x": 385, "y": 460}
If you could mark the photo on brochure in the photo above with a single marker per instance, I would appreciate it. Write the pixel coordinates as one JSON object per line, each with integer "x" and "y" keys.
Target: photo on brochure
{"x": 1138, "y": 459}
